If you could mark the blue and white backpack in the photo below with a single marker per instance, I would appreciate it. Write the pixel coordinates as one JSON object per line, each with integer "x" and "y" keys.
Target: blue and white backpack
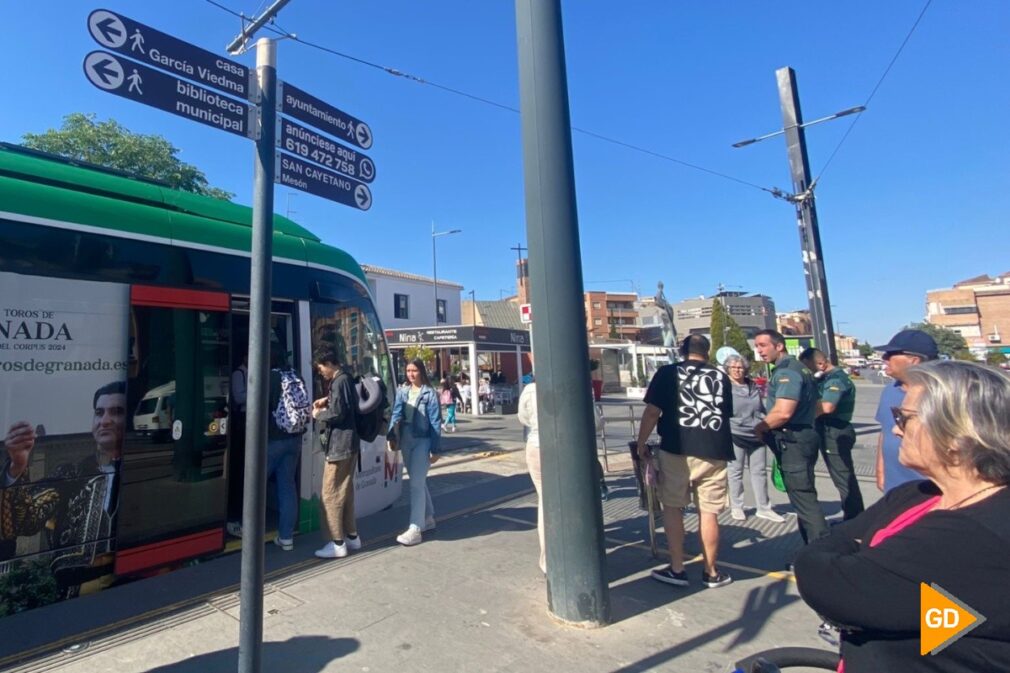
{"x": 294, "y": 410}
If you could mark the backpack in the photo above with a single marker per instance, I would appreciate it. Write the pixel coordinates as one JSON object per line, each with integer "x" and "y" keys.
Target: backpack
{"x": 370, "y": 414}
{"x": 445, "y": 397}
{"x": 294, "y": 410}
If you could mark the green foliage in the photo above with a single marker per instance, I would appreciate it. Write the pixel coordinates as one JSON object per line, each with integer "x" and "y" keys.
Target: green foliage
{"x": 727, "y": 332}
{"x": 717, "y": 329}
{"x": 866, "y": 350}
{"x": 27, "y": 585}
{"x": 422, "y": 353}
{"x": 995, "y": 358}
{"x": 109, "y": 144}
{"x": 949, "y": 342}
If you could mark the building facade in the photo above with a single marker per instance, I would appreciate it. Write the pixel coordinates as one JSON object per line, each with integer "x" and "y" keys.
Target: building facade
{"x": 408, "y": 300}
{"x": 752, "y": 312}
{"x": 794, "y": 323}
{"x": 611, "y": 315}
{"x": 978, "y": 309}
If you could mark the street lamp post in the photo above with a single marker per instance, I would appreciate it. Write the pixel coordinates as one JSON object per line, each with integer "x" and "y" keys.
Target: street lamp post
{"x": 473, "y": 308}
{"x": 434, "y": 267}
{"x": 803, "y": 200}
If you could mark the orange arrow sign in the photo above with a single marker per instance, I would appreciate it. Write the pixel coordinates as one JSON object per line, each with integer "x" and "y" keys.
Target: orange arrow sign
{"x": 943, "y": 619}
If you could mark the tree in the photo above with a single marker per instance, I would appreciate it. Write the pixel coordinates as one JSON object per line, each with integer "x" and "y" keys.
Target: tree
{"x": 718, "y": 328}
{"x": 866, "y": 350}
{"x": 727, "y": 332}
{"x": 948, "y": 342}
{"x": 422, "y": 353}
{"x": 109, "y": 144}
{"x": 995, "y": 358}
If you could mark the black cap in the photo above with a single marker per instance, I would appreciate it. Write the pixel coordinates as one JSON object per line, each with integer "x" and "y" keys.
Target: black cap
{"x": 913, "y": 342}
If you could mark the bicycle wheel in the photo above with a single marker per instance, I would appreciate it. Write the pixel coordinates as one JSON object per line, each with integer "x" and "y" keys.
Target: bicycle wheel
{"x": 771, "y": 661}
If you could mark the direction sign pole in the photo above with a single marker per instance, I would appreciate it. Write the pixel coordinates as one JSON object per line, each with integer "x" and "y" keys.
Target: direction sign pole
{"x": 250, "y": 649}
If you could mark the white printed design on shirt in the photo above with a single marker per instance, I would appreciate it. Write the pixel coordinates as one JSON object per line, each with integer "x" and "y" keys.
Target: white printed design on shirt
{"x": 701, "y": 396}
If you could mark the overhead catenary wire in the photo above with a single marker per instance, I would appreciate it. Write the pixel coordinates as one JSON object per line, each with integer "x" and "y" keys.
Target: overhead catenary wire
{"x": 458, "y": 92}
{"x": 876, "y": 87}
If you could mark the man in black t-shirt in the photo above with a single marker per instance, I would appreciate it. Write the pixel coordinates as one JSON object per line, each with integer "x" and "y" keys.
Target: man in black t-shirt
{"x": 692, "y": 403}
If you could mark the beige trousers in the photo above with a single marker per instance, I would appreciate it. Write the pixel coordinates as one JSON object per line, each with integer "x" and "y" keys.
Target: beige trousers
{"x": 533, "y": 464}
{"x": 338, "y": 498}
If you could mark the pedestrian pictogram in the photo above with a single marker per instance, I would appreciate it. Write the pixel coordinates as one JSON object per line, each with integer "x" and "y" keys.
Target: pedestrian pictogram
{"x": 943, "y": 619}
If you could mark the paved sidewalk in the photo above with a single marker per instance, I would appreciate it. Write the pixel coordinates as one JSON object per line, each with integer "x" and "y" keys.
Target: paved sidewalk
{"x": 470, "y": 597}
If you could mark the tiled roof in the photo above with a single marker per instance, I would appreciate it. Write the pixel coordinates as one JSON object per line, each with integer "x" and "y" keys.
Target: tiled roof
{"x": 503, "y": 314}
{"x": 379, "y": 271}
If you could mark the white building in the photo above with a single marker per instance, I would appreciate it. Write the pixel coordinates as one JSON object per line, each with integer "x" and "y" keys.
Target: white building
{"x": 408, "y": 300}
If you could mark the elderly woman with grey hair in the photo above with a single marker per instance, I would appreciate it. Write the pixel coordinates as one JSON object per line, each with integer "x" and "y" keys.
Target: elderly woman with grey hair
{"x": 748, "y": 410}
{"x": 949, "y": 533}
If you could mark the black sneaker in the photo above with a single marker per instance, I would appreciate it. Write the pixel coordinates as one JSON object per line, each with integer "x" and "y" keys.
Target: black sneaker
{"x": 719, "y": 579}
{"x": 667, "y": 576}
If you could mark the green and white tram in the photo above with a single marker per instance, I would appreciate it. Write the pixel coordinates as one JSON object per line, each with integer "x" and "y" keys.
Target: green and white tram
{"x": 124, "y": 313}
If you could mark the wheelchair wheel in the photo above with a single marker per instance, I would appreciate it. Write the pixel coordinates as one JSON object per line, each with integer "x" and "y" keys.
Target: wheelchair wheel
{"x": 782, "y": 658}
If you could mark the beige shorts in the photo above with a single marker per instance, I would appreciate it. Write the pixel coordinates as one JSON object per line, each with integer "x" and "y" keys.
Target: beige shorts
{"x": 680, "y": 476}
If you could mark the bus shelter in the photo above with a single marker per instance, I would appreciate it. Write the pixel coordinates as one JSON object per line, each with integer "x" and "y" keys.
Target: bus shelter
{"x": 475, "y": 339}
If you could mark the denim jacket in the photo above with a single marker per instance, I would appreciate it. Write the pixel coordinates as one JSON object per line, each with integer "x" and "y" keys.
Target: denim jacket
{"x": 427, "y": 423}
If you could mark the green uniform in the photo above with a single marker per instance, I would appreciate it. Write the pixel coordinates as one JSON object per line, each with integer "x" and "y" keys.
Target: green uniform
{"x": 837, "y": 388}
{"x": 795, "y": 444}
{"x": 792, "y": 381}
{"x": 838, "y": 437}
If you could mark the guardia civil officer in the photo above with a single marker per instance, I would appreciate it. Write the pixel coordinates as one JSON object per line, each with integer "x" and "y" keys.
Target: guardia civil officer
{"x": 789, "y": 430}
{"x": 834, "y": 426}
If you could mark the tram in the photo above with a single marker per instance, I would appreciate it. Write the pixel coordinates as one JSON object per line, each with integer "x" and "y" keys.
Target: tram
{"x": 124, "y": 314}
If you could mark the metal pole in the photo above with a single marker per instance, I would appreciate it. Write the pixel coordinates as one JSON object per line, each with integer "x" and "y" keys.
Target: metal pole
{"x": 806, "y": 214}
{"x": 576, "y": 578}
{"x": 250, "y": 649}
{"x": 434, "y": 273}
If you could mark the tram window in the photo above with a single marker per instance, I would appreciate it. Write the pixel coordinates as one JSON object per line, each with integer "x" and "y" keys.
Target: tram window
{"x": 173, "y": 462}
{"x": 353, "y": 329}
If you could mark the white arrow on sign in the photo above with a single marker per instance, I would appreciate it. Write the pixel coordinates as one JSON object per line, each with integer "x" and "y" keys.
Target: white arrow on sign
{"x": 363, "y": 197}
{"x": 363, "y": 134}
{"x": 107, "y": 29}
{"x": 104, "y": 71}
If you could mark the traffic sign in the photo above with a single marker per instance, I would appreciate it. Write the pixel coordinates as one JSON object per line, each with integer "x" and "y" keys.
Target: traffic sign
{"x": 307, "y": 108}
{"x": 307, "y": 177}
{"x": 308, "y": 144}
{"x": 171, "y": 94}
{"x": 147, "y": 45}
{"x": 525, "y": 313}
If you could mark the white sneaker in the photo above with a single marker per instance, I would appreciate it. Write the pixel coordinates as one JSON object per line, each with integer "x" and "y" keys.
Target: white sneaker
{"x": 429, "y": 524}
{"x": 410, "y": 537}
{"x": 332, "y": 550}
{"x": 353, "y": 543}
{"x": 770, "y": 515}
{"x": 738, "y": 514}
{"x": 234, "y": 528}
{"x": 286, "y": 545}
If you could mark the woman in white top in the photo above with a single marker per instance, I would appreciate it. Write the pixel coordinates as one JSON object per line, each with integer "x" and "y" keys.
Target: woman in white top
{"x": 528, "y": 417}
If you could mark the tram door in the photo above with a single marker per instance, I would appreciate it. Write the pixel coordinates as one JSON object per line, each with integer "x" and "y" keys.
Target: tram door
{"x": 282, "y": 340}
{"x": 172, "y": 499}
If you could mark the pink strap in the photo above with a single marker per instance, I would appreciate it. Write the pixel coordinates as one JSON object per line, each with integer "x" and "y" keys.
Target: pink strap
{"x": 904, "y": 520}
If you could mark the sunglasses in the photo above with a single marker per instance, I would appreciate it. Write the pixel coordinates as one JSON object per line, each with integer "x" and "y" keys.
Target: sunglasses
{"x": 901, "y": 417}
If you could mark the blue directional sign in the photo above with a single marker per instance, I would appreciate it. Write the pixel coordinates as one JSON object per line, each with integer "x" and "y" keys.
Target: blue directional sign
{"x": 152, "y": 47}
{"x": 308, "y": 144}
{"x": 171, "y": 94}
{"x": 307, "y": 108}
{"x": 307, "y": 177}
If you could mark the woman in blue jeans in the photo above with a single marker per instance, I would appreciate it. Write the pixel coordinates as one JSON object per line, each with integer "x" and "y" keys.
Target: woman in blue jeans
{"x": 283, "y": 449}
{"x": 415, "y": 428}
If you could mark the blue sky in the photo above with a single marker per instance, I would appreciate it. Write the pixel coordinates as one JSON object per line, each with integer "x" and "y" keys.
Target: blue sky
{"x": 915, "y": 199}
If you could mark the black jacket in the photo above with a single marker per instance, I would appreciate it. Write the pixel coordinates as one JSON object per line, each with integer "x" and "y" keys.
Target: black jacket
{"x": 874, "y": 592}
{"x": 338, "y": 434}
